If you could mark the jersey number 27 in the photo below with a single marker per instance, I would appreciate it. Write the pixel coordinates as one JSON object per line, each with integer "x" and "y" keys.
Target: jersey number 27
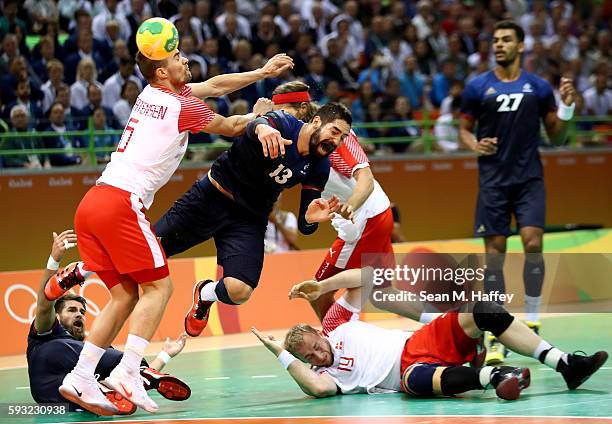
{"x": 509, "y": 102}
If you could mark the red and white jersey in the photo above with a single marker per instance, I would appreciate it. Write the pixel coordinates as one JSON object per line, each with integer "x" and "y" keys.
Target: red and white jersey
{"x": 345, "y": 160}
{"x": 367, "y": 358}
{"x": 155, "y": 140}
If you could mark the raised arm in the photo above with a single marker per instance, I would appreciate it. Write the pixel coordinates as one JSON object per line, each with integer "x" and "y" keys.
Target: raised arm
{"x": 557, "y": 123}
{"x": 45, "y": 314}
{"x": 311, "y": 383}
{"x": 228, "y": 83}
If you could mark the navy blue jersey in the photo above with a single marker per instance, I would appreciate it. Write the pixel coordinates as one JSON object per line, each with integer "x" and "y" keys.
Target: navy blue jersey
{"x": 510, "y": 111}
{"x": 54, "y": 354}
{"x": 256, "y": 181}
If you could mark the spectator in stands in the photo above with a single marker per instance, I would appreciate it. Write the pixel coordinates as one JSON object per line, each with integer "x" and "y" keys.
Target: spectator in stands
{"x": 113, "y": 86}
{"x": 281, "y": 233}
{"x": 445, "y": 131}
{"x": 189, "y": 24}
{"x": 108, "y": 13}
{"x": 377, "y": 39}
{"x": 203, "y": 12}
{"x": 285, "y": 10}
{"x": 423, "y": 19}
{"x": 267, "y": 32}
{"x": 242, "y": 26}
{"x": 46, "y": 50}
{"x": 23, "y": 94}
{"x": 10, "y": 22}
{"x": 332, "y": 92}
{"x": 455, "y": 91}
{"x": 40, "y": 13}
{"x": 425, "y": 60}
{"x": 315, "y": 21}
{"x": 315, "y": 78}
{"x": 135, "y": 12}
{"x": 242, "y": 56}
{"x": 123, "y": 108}
{"x": 120, "y": 51}
{"x": 86, "y": 75}
{"x": 412, "y": 82}
{"x": 396, "y": 52}
{"x": 598, "y": 99}
{"x": 10, "y": 50}
{"x": 378, "y": 73}
{"x": 351, "y": 14}
{"x": 57, "y": 124}
{"x": 85, "y": 51}
{"x": 441, "y": 82}
{"x": 20, "y": 123}
{"x": 18, "y": 71}
{"x": 457, "y": 56}
{"x": 100, "y": 123}
{"x": 95, "y": 99}
{"x": 166, "y": 8}
{"x": 364, "y": 98}
{"x": 402, "y": 111}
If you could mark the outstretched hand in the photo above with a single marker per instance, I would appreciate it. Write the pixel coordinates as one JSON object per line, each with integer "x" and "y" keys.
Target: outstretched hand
{"x": 262, "y": 106}
{"x": 567, "y": 91}
{"x": 268, "y": 341}
{"x": 277, "y": 65}
{"x": 321, "y": 210}
{"x": 271, "y": 141}
{"x": 61, "y": 243}
{"x": 309, "y": 290}
{"x": 174, "y": 347}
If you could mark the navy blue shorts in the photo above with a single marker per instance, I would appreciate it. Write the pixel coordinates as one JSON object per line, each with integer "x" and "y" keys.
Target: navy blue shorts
{"x": 495, "y": 206}
{"x": 204, "y": 212}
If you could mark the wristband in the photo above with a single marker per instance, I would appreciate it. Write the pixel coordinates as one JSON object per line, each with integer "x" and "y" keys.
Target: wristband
{"x": 564, "y": 112}
{"x": 285, "y": 358}
{"x": 52, "y": 264}
{"x": 164, "y": 357}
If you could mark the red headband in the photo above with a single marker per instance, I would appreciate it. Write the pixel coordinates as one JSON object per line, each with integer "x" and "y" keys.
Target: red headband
{"x": 295, "y": 97}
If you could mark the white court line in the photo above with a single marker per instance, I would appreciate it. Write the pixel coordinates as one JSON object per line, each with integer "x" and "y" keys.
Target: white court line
{"x": 264, "y": 376}
{"x": 550, "y": 369}
{"x": 543, "y": 417}
{"x": 22, "y": 387}
{"x": 216, "y": 378}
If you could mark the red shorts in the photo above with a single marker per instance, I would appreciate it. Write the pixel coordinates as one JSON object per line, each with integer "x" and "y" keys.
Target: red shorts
{"x": 374, "y": 240}
{"x": 442, "y": 341}
{"x": 115, "y": 238}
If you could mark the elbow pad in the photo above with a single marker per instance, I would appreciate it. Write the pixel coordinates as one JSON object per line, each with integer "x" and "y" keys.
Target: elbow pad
{"x": 308, "y": 195}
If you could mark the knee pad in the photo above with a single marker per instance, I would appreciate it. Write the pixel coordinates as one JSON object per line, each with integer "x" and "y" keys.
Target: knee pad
{"x": 491, "y": 316}
{"x": 418, "y": 379}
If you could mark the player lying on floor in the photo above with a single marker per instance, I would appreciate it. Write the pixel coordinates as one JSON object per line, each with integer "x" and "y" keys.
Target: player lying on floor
{"x": 351, "y": 356}
{"x": 56, "y": 339}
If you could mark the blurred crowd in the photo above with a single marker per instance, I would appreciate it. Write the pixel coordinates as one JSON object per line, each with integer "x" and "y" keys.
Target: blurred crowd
{"x": 63, "y": 61}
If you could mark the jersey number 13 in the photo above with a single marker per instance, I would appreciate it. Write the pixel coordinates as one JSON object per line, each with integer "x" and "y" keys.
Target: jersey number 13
{"x": 281, "y": 174}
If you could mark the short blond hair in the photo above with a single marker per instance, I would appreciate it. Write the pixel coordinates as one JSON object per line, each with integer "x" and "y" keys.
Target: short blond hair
{"x": 295, "y": 337}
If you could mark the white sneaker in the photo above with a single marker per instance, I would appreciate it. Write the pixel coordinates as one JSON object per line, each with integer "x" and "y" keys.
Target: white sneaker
{"x": 86, "y": 393}
{"x": 131, "y": 387}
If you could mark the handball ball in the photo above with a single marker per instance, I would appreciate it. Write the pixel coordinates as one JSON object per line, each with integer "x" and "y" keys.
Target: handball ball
{"x": 157, "y": 38}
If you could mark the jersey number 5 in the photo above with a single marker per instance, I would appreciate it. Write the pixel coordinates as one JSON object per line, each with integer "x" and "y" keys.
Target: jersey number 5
{"x": 281, "y": 174}
{"x": 127, "y": 135}
{"x": 506, "y": 99}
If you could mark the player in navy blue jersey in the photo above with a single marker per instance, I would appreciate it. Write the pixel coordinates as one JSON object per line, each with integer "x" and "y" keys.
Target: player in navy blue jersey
{"x": 507, "y": 103}
{"x": 232, "y": 203}
{"x": 55, "y": 341}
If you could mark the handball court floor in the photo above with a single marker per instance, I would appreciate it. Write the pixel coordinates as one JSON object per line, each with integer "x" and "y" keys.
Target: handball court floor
{"x": 234, "y": 379}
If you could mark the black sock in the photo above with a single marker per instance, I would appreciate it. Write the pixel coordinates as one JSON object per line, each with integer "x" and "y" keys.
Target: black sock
{"x": 222, "y": 294}
{"x": 533, "y": 274}
{"x": 459, "y": 379}
{"x": 494, "y": 281}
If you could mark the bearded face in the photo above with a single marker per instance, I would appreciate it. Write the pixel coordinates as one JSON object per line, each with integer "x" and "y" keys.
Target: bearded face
{"x": 325, "y": 139}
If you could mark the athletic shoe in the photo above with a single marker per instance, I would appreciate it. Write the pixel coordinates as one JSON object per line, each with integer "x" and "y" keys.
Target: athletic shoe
{"x": 124, "y": 406}
{"x": 581, "y": 367}
{"x": 510, "y": 381}
{"x": 166, "y": 385}
{"x": 496, "y": 352}
{"x": 86, "y": 393}
{"x": 130, "y": 385}
{"x": 64, "y": 280}
{"x": 534, "y": 326}
{"x": 197, "y": 317}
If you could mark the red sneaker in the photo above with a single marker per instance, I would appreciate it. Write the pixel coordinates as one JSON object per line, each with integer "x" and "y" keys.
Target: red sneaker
{"x": 166, "y": 385}
{"x": 64, "y": 280}
{"x": 510, "y": 381}
{"x": 197, "y": 316}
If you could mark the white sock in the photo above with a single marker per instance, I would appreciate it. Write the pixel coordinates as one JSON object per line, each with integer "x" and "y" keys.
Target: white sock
{"x": 484, "y": 375}
{"x": 544, "y": 345}
{"x": 208, "y": 292}
{"x": 532, "y": 307}
{"x": 134, "y": 351}
{"x": 88, "y": 360}
{"x": 552, "y": 358}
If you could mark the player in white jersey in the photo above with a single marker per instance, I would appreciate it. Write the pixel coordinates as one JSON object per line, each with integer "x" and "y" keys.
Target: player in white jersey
{"x": 350, "y": 356}
{"x": 352, "y": 181}
{"x": 117, "y": 241}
